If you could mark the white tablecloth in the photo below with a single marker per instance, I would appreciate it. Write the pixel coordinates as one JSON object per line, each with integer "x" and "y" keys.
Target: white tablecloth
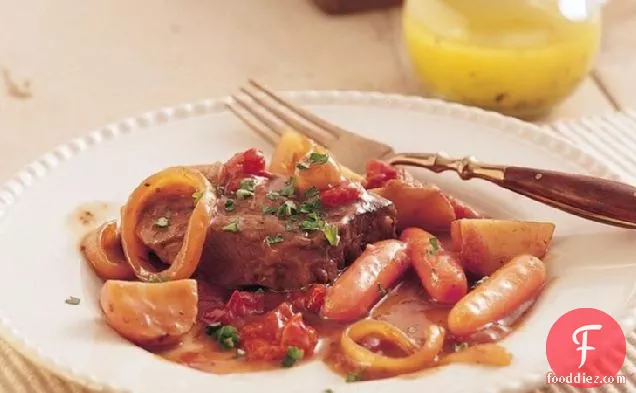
{"x": 611, "y": 139}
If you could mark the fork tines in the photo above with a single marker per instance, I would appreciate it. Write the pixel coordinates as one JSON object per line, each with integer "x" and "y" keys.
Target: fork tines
{"x": 269, "y": 115}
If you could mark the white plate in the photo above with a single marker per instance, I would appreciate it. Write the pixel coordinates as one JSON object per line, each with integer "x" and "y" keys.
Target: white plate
{"x": 42, "y": 266}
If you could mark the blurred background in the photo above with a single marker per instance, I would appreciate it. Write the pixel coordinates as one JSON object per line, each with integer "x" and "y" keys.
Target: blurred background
{"x": 68, "y": 66}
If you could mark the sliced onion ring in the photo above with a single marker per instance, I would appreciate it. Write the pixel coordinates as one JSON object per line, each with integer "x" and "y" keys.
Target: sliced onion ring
{"x": 102, "y": 249}
{"x": 419, "y": 358}
{"x": 187, "y": 259}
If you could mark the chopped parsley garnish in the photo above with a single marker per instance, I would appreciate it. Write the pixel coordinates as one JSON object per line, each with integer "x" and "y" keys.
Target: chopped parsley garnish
{"x": 246, "y": 189}
{"x": 288, "y": 208}
{"x": 244, "y": 194}
{"x": 312, "y": 223}
{"x": 315, "y": 223}
{"x": 318, "y": 158}
{"x": 72, "y": 300}
{"x": 306, "y": 213}
{"x": 313, "y": 159}
{"x": 293, "y": 355}
{"x": 274, "y": 239}
{"x": 232, "y": 227}
{"x": 289, "y": 189}
{"x": 269, "y": 210}
{"x": 302, "y": 165}
{"x": 460, "y": 346}
{"x": 226, "y": 335}
{"x": 434, "y": 246}
{"x": 273, "y": 195}
{"x": 247, "y": 184}
{"x": 312, "y": 192}
{"x": 310, "y": 206}
{"x": 162, "y": 222}
{"x": 354, "y": 376}
{"x": 382, "y": 290}
{"x": 229, "y": 205}
{"x": 197, "y": 195}
{"x": 331, "y": 234}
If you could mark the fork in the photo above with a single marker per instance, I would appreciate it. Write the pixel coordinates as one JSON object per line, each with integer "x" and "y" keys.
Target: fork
{"x": 593, "y": 198}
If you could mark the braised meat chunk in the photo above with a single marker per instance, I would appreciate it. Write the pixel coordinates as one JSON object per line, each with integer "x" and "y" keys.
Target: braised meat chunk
{"x": 268, "y": 233}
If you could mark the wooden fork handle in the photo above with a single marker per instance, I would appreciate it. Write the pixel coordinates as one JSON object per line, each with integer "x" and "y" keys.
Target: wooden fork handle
{"x": 593, "y": 198}
{"x": 597, "y": 199}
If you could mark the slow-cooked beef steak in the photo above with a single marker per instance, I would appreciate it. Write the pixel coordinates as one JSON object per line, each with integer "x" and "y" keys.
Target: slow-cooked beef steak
{"x": 261, "y": 248}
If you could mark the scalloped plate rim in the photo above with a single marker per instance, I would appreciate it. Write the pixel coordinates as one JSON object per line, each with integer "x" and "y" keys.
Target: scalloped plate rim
{"x": 12, "y": 189}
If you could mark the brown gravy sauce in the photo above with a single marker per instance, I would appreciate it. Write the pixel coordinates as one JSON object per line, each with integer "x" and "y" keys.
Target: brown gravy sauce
{"x": 406, "y": 306}
{"x": 90, "y": 215}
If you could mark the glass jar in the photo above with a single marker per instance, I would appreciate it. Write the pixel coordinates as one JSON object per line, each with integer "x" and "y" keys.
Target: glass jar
{"x": 517, "y": 57}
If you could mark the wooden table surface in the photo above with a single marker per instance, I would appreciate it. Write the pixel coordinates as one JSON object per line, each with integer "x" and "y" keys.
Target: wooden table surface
{"x": 92, "y": 62}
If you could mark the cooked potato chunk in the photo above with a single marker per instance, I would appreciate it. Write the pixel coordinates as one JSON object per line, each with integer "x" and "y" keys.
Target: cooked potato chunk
{"x": 485, "y": 245}
{"x": 150, "y": 314}
{"x": 317, "y": 169}
{"x": 418, "y": 206}
{"x": 291, "y": 148}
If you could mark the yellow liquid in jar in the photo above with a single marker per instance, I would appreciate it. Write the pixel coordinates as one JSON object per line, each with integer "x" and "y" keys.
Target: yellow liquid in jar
{"x": 516, "y": 57}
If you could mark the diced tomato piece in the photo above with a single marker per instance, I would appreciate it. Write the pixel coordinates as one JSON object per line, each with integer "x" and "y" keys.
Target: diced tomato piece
{"x": 297, "y": 334}
{"x": 340, "y": 195}
{"x": 268, "y": 326}
{"x": 232, "y": 171}
{"x": 248, "y": 163}
{"x": 378, "y": 173}
{"x": 258, "y": 349}
{"x": 240, "y": 305}
{"x": 244, "y": 303}
{"x": 253, "y": 162}
{"x": 267, "y": 337}
{"x": 212, "y": 316}
{"x": 310, "y": 299}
